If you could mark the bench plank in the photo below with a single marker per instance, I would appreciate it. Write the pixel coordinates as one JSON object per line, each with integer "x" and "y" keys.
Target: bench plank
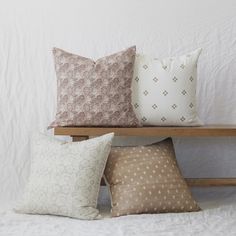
{"x": 207, "y": 131}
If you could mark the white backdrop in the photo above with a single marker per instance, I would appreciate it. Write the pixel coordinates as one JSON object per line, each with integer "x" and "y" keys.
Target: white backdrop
{"x": 29, "y": 29}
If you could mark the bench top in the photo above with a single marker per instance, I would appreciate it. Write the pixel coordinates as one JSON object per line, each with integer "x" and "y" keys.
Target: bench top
{"x": 206, "y": 130}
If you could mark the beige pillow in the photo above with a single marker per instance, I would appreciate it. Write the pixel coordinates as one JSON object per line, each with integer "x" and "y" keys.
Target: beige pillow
{"x": 94, "y": 93}
{"x": 146, "y": 179}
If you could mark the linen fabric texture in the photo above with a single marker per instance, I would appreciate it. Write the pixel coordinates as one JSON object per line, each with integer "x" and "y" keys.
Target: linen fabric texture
{"x": 164, "y": 90}
{"x": 94, "y": 93}
{"x": 65, "y": 177}
{"x": 146, "y": 179}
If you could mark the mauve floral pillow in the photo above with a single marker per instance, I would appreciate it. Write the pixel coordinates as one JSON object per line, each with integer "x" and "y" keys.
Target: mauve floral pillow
{"x": 94, "y": 93}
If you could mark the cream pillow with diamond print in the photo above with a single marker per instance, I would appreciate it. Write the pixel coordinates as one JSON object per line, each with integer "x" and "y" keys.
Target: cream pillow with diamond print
{"x": 164, "y": 90}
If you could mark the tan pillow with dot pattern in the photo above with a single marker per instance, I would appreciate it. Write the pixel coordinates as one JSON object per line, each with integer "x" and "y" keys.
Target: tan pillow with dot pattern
{"x": 147, "y": 179}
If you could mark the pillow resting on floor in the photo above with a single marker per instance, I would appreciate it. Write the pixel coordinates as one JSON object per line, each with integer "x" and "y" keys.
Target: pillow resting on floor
{"x": 146, "y": 179}
{"x": 65, "y": 177}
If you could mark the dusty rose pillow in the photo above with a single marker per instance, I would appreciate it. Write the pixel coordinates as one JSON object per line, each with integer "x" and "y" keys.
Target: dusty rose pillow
{"x": 94, "y": 93}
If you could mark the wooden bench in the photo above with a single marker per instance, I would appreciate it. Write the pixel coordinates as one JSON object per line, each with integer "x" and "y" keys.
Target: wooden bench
{"x": 82, "y": 133}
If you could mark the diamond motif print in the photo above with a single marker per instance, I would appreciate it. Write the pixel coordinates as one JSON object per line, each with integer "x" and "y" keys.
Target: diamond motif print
{"x": 179, "y": 98}
{"x": 144, "y": 119}
{"x": 165, "y": 93}
{"x": 145, "y": 67}
{"x": 163, "y": 119}
{"x": 154, "y": 106}
{"x": 191, "y": 79}
{"x": 136, "y": 78}
{"x": 155, "y": 79}
{"x": 174, "y": 106}
{"x": 175, "y": 79}
{"x": 136, "y": 105}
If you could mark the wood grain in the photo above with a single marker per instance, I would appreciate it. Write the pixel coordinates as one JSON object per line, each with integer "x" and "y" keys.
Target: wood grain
{"x": 79, "y": 138}
{"x": 202, "y": 131}
{"x": 211, "y": 182}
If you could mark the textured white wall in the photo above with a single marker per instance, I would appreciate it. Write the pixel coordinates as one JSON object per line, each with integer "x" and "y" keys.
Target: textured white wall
{"x": 29, "y": 29}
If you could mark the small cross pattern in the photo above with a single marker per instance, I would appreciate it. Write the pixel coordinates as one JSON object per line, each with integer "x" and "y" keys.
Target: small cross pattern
{"x": 174, "y": 106}
{"x": 144, "y": 119}
{"x": 175, "y": 79}
{"x": 145, "y": 92}
{"x": 165, "y": 93}
{"x": 154, "y": 106}
{"x": 136, "y": 78}
{"x": 136, "y": 105}
{"x": 155, "y": 79}
{"x": 163, "y": 119}
{"x": 184, "y": 92}
{"x": 145, "y": 67}
{"x": 182, "y": 118}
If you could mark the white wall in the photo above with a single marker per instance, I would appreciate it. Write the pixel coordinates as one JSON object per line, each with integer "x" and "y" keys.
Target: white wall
{"x": 29, "y": 29}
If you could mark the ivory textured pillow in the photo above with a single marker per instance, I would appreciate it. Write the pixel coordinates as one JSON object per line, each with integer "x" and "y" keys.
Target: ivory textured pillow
{"x": 146, "y": 179}
{"x": 65, "y": 177}
{"x": 164, "y": 91}
{"x": 94, "y": 93}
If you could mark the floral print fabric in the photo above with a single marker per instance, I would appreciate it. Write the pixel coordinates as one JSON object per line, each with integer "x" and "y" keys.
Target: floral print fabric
{"x": 65, "y": 177}
{"x": 94, "y": 93}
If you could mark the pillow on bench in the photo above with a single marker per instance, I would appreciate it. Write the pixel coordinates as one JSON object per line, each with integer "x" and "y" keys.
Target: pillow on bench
{"x": 146, "y": 179}
{"x": 164, "y": 90}
{"x": 94, "y": 93}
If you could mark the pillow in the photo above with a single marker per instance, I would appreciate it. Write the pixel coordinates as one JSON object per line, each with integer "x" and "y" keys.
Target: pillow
{"x": 146, "y": 179}
{"x": 65, "y": 177}
{"x": 164, "y": 91}
{"x": 94, "y": 93}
